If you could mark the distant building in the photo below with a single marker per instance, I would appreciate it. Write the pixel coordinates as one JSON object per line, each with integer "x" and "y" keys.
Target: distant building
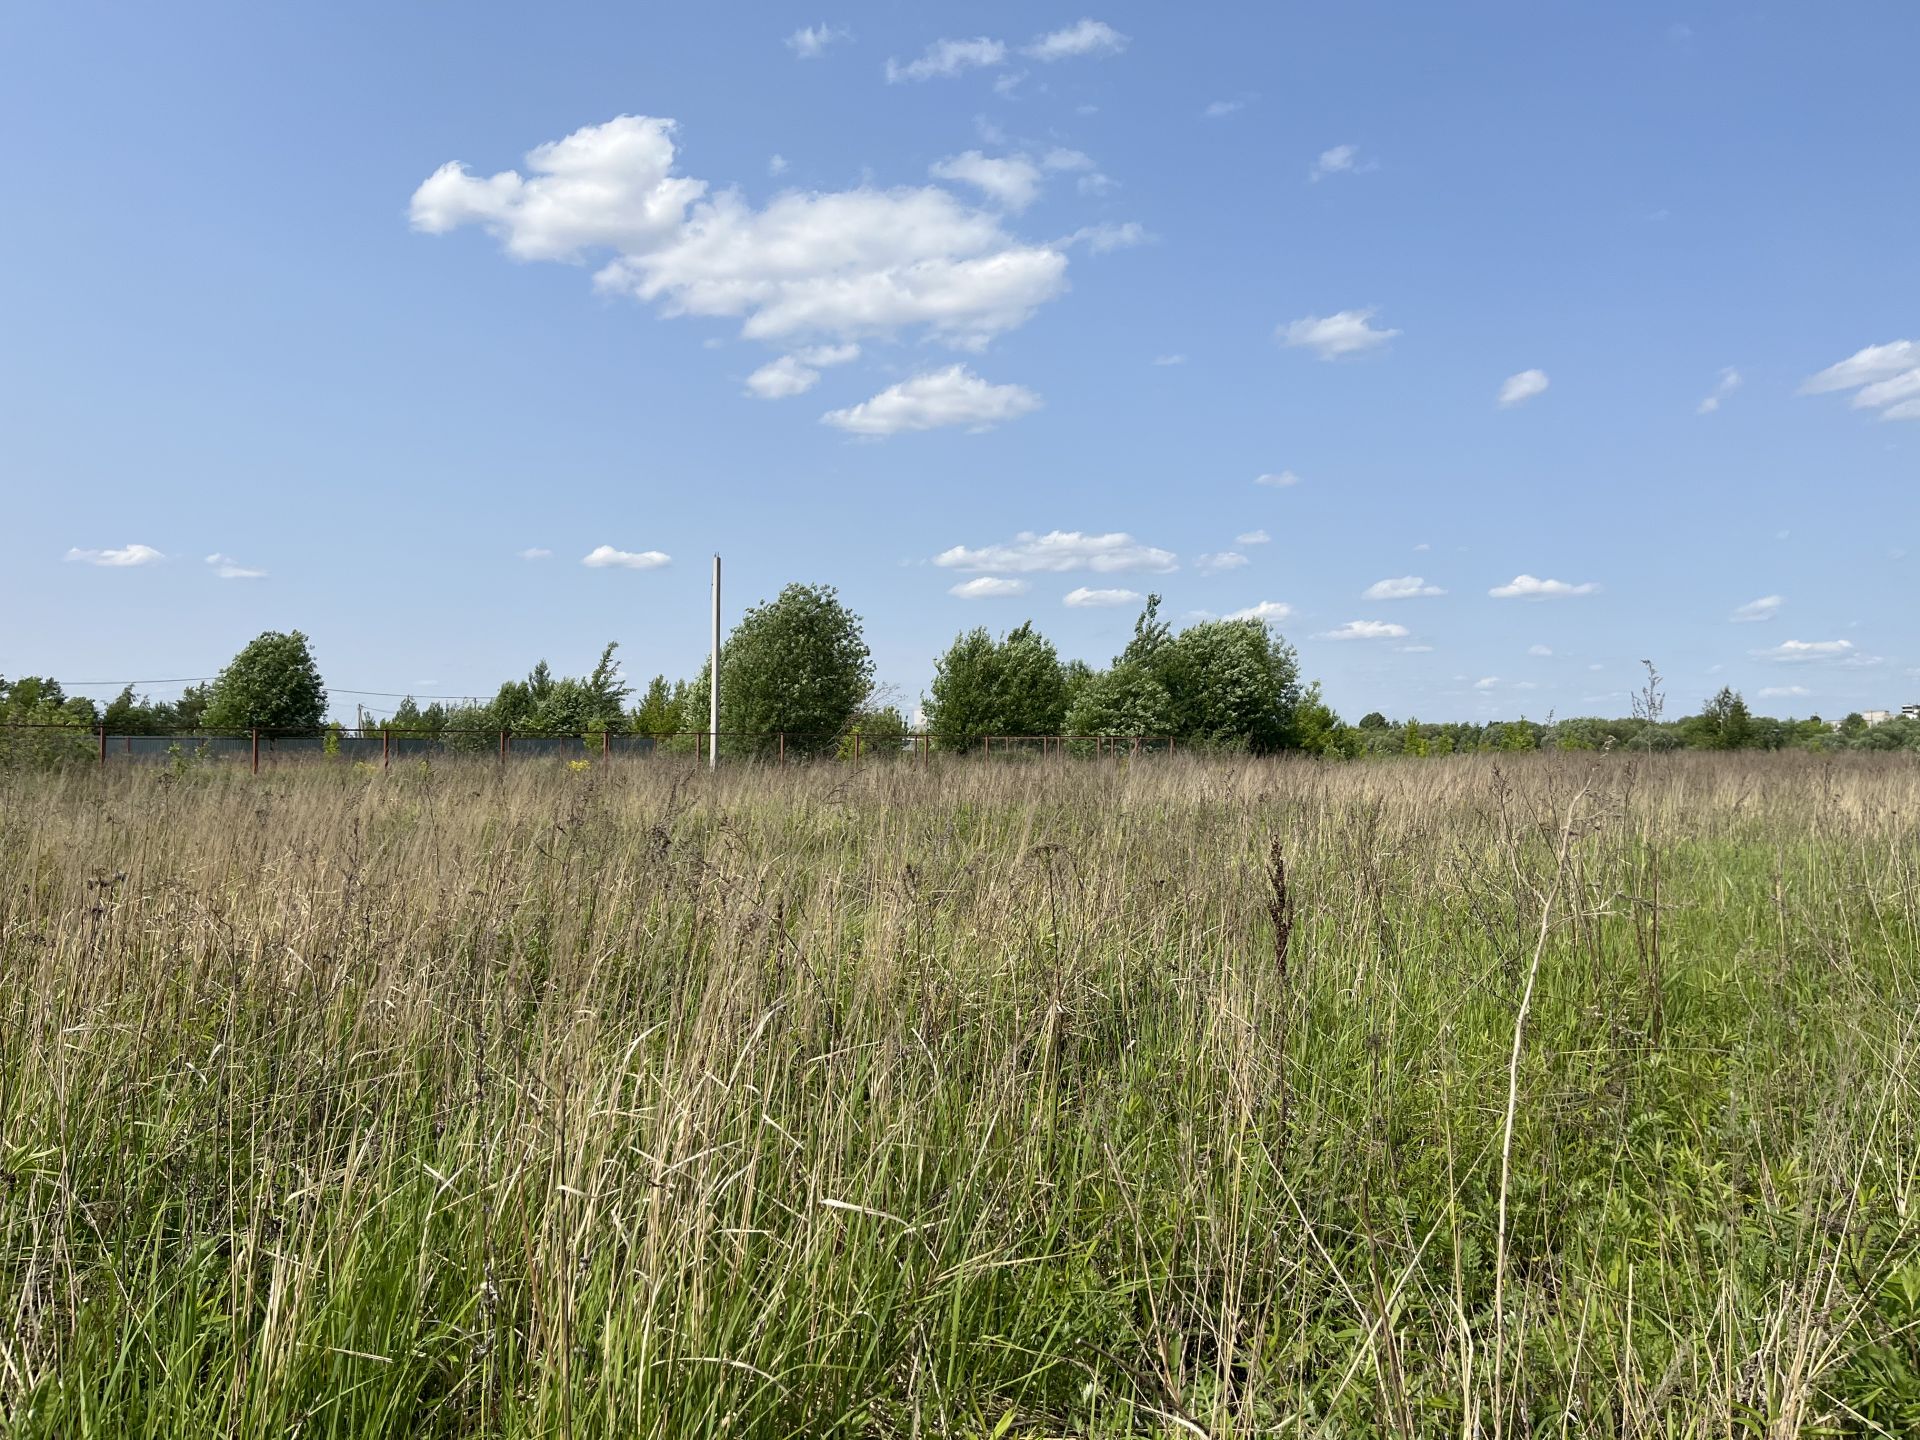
{"x": 1876, "y": 717}
{"x": 1910, "y": 712}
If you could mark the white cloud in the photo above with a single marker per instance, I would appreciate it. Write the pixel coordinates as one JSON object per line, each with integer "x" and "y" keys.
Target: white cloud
{"x": 824, "y": 265}
{"x": 1414, "y": 649}
{"x": 776, "y": 165}
{"x": 778, "y": 379}
{"x": 987, "y": 587}
{"x": 1765, "y": 608}
{"x": 1058, "y": 552}
{"x": 1266, "y": 610}
{"x": 1061, "y": 158}
{"x": 1523, "y": 387}
{"x": 536, "y": 552}
{"x": 1401, "y": 587}
{"x": 1889, "y": 377}
{"x": 1252, "y": 537}
{"x": 1539, "y": 652}
{"x": 1527, "y": 587}
{"x": 228, "y": 568}
{"x": 810, "y": 42}
{"x": 1783, "y": 692}
{"x": 1102, "y": 238}
{"x": 1340, "y": 160}
{"x": 1365, "y": 630}
{"x": 1728, "y": 383}
{"x": 1797, "y": 650}
{"x": 1083, "y": 598}
{"x": 1088, "y": 37}
{"x": 1220, "y": 109}
{"x": 947, "y": 58}
{"x": 117, "y": 559}
{"x": 954, "y": 396}
{"x": 1486, "y": 682}
{"x": 1875, "y": 362}
{"x": 1169, "y": 359}
{"x": 603, "y": 186}
{"x": 825, "y": 355}
{"x": 1349, "y": 332}
{"x": 605, "y": 557}
{"x": 1423, "y": 545}
{"x": 1012, "y": 180}
{"x": 1279, "y": 480}
{"x": 1225, "y": 560}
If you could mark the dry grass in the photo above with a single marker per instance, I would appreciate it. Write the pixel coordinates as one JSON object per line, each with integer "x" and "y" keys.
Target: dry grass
{"x": 1191, "y": 1098}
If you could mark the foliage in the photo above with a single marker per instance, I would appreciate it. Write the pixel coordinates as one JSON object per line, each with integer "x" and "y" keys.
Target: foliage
{"x": 1012, "y": 686}
{"x": 881, "y": 732}
{"x": 797, "y": 664}
{"x": 272, "y": 683}
{"x": 47, "y": 727}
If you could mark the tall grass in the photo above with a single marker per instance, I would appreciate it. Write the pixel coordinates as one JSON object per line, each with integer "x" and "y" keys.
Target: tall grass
{"x": 1453, "y": 1098}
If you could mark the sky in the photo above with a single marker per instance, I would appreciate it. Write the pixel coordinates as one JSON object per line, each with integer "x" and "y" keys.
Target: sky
{"x": 1485, "y": 349}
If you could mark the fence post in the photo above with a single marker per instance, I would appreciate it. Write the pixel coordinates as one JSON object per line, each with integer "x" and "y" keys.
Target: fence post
{"x": 856, "y": 747}
{"x": 783, "y": 749}
{"x": 503, "y": 746}
{"x": 606, "y": 743}
{"x": 256, "y": 749}
{"x": 103, "y": 744}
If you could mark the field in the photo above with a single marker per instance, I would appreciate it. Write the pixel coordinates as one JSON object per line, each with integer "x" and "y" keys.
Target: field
{"x": 1572, "y": 1095}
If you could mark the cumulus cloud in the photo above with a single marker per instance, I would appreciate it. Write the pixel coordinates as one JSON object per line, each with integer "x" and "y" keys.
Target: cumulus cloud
{"x": 1220, "y": 109}
{"x": 1169, "y": 359}
{"x": 946, "y": 58}
{"x": 1783, "y": 692}
{"x": 778, "y": 379}
{"x": 1528, "y": 587}
{"x": 954, "y": 396}
{"x": 1083, "y": 598}
{"x": 117, "y": 559}
{"x": 536, "y": 552}
{"x": 1279, "y": 479}
{"x": 1400, "y": 587}
{"x": 776, "y": 165}
{"x": 1798, "y": 650}
{"x": 1765, "y": 608}
{"x": 987, "y": 587}
{"x": 810, "y": 42}
{"x": 1225, "y": 560}
{"x": 1340, "y": 160}
{"x": 1540, "y": 652}
{"x": 605, "y": 557}
{"x": 1887, "y": 377}
{"x": 1486, "y": 682}
{"x": 827, "y": 265}
{"x": 1728, "y": 383}
{"x": 1517, "y": 389}
{"x": 1011, "y": 180}
{"x": 1087, "y": 37}
{"x": 228, "y": 568}
{"x": 1273, "y": 610}
{"x": 1252, "y": 537}
{"x": 1365, "y": 630}
{"x": 1059, "y": 552}
{"x": 1348, "y": 332}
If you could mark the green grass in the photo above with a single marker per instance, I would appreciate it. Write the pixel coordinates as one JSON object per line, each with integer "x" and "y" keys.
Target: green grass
{"x": 984, "y": 1101}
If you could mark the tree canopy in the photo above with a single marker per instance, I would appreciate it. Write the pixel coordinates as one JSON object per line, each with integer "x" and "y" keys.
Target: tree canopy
{"x": 273, "y": 683}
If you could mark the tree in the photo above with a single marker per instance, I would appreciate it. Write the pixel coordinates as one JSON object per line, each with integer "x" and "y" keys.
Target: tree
{"x": 878, "y": 732}
{"x": 1723, "y": 723}
{"x": 1126, "y": 700}
{"x": 271, "y": 684}
{"x": 797, "y": 664}
{"x": 1230, "y": 682}
{"x": 1013, "y": 686}
{"x": 53, "y": 726}
{"x": 656, "y": 714}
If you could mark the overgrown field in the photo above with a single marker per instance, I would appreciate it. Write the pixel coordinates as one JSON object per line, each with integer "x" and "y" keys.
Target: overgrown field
{"x": 1563, "y": 1095}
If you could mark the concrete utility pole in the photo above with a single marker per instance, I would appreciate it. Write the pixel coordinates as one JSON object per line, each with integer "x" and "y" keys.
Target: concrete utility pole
{"x": 713, "y": 701}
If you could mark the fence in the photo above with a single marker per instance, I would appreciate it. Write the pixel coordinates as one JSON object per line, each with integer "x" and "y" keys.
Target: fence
{"x": 368, "y": 745}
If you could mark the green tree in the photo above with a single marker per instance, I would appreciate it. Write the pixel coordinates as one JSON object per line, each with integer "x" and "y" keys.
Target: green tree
{"x": 1013, "y": 686}
{"x": 271, "y": 684}
{"x": 1317, "y": 728}
{"x": 1723, "y": 723}
{"x": 1126, "y": 700}
{"x": 656, "y": 714}
{"x": 1412, "y": 742}
{"x": 878, "y": 732}
{"x": 797, "y": 664}
{"x": 1230, "y": 682}
{"x": 53, "y": 727}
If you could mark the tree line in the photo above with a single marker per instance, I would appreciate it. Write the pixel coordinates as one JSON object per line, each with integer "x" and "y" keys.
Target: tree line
{"x": 796, "y": 674}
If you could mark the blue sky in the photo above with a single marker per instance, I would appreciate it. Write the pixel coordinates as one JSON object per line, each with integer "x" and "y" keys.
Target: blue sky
{"x": 1026, "y": 306}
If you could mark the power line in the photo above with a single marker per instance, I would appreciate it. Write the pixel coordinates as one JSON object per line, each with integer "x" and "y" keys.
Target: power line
{"x": 207, "y": 679}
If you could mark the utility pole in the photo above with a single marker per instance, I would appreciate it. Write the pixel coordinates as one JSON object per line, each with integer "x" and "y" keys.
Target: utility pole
{"x": 713, "y": 700}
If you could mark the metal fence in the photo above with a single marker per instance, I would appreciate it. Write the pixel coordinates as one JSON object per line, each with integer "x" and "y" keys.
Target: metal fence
{"x": 383, "y": 746}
